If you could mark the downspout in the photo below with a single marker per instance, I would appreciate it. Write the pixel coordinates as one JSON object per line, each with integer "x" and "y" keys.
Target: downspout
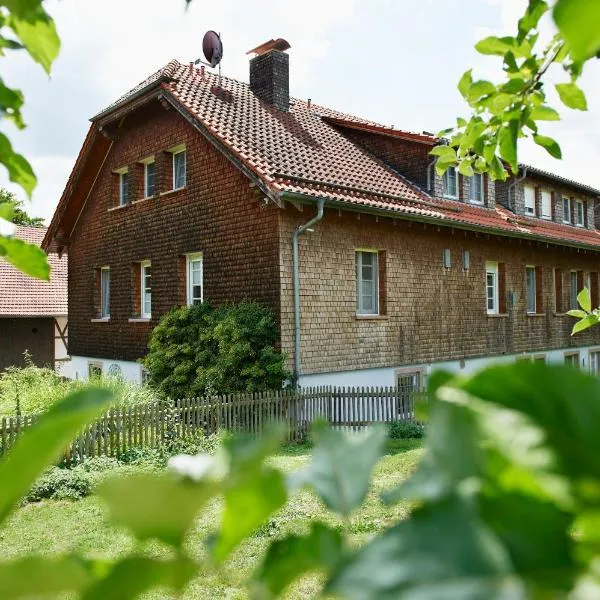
{"x": 511, "y": 187}
{"x": 298, "y": 231}
{"x": 429, "y": 170}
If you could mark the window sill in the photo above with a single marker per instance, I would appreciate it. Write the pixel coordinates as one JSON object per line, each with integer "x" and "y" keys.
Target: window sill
{"x": 372, "y": 317}
{"x": 102, "y": 320}
{"x": 476, "y": 203}
{"x": 144, "y": 199}
{"x": 497, "y": 315}
{"x": 446, "y": 197}
{"x": 139, "y": 320}
{"x": 536, "y": 314}
{"x": 120, "y": 207}
{"x": 168, "y": 192}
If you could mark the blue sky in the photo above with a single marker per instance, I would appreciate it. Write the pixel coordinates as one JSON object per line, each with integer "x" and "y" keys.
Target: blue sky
{"x": 394, "y": 61}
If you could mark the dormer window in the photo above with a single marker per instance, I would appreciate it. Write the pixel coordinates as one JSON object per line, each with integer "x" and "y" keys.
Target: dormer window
{"x": 529, "y": 193}
{"x": 579, "y": 213}
{"x": 476, "y": 191}
{"x": 450, "y": 184}
{"x": 546, "y": 204}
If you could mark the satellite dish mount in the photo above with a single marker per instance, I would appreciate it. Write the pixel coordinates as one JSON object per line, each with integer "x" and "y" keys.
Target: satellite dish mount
{"x": 212, "y": 48}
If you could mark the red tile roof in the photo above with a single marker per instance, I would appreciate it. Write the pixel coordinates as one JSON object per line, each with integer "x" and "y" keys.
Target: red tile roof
{"x": 301, "y": 152}
{"x": 24, "y": 296}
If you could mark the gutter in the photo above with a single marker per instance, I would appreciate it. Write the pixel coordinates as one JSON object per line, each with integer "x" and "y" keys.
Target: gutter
{"x": 298, "y": 231}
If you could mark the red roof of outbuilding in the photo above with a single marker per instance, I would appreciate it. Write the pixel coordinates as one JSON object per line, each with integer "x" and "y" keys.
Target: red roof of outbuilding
{"x": 301, "y": 152}
{"x": 25, "y": 296}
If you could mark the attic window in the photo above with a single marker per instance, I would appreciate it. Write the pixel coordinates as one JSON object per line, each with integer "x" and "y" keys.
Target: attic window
{"x": 179, "y": 166}
{"x": 450, "y": 183}
{"x": 123, "y": 175}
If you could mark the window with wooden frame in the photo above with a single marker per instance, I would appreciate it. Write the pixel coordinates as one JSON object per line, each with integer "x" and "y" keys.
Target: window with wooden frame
{"x": 146, "y": 289}
{"x": 495, "y": 274}
{"x": 370, "y": 282}
{"x": 122, "y": 175}
{"x": 149, "y": 177}
{"x": 534, "y": 289}
{"x": 575, "y": 286}
{"x": 593, "y": 282}
{"x": 566, "y": 204}
{"x": 450, "y": 183}
{"x": 179, "y": 158}
{"x": 579, "y": 213}
{"x": 529, "y": 198}
{"x": 476, "y": 191}
{"x": 559, "y": 306}
{"x": 105, "y": 292}
{"x": 546, "y": 204}
{"x": 572, "y": 359}
{"x": 194, "y": 279}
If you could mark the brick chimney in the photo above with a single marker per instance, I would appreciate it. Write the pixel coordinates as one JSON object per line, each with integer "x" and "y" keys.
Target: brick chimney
{"x": 270, "y": 73}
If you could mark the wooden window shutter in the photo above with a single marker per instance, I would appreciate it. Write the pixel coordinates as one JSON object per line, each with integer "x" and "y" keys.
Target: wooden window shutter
{"x": 538, "y": 205}
{"x": 539, "y": 290}
{"x": 502, "y": 288}
{"x": 460, "y": 183}
{"x": 485, "y": 180}
{"x": 594, "y": 289}
{"x": 96, "y": 292}
{"x": 579, "y": 281}
{"x": 182, "y": 280}
{"x": 558, "y": 290}
{"x": 382, "y": 266}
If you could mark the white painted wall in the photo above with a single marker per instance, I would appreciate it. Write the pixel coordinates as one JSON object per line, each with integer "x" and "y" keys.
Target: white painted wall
{"x": 129, "y": 370}
{"x": 387, "y": 376}
{"x": 62, "y": 361}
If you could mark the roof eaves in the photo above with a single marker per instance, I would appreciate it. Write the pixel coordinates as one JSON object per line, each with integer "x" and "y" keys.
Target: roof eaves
{"x": 531, "y": 170}
{"x": 398, "y": 214}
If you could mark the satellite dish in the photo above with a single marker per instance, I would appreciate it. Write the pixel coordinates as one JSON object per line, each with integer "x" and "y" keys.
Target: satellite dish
{"x": 212, "y": 47}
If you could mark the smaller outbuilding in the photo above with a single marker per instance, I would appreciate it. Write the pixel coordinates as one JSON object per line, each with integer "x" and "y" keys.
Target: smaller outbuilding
{"x": 33, "y": 313}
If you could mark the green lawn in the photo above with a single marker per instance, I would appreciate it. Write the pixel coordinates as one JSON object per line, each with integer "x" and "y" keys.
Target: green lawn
{"x": 59, "y": 526}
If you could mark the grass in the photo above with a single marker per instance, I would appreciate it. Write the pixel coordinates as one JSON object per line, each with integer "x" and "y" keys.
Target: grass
{"x": 51, "y": 527}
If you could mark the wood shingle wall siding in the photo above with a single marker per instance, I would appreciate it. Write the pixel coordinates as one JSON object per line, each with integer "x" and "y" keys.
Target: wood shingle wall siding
{"x": 217, "y": 213}
{"x": 432, "y": 313}
{"x": 36, "y": 335}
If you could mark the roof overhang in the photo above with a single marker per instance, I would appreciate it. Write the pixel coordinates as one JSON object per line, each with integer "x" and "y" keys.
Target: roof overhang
{"x": 405, "y": 216}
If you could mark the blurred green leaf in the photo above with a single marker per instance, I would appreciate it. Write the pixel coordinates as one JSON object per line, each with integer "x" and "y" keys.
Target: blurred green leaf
{"x": 249, "y": 502}
{"x": 136, "y": 574}
{"x": 37, "y": 32}
{"x": 584, "y": 324}
{"x": 341, "y": 466}
{"x": 19, "y": 170}
{"x": 514, "y": 86}
{"x": 293, "y": 556}
{"x": 572, "y": 96}
{"x": 160, "y": 506}
{"x": 507, "y": 140}
{"x": 35, "y": 576}
{"x": 29, "y": 258}
{"x": 544, "y": 113}
{"x": 443, "y": 151}
{"x": 577, "y": 21}
{"x": 584, "y": 299}
{"x": 534, "y": 12}
{"x": 41, "y": 444}
{"x": 444, "y": 551}
{"x": 7, "y": 210}
{"x": 465, "y": 83}
{"x": 465, "y": 168}
{"x": 480, "y": 89}
{"x": 495, "y": 45}
{"x": 549, "y": 144}
{"x": 11, "y": 102}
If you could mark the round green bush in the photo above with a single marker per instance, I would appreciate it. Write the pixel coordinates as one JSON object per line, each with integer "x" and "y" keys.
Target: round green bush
{"x": 61, "y": 484}
{"x": 401, "y": 430}
{"x": 198, "y": 350}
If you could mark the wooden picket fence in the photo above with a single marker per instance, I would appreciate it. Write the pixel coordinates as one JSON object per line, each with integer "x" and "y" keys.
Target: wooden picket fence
{"x": 148, "y": 425}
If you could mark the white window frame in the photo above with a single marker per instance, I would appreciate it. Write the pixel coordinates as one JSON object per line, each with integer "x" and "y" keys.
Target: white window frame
{"x": 123, "y": 175}
{"x": 177, "y": 151}
{"x": 548, "y": 194}
{"x": 145, "y": 292}
{"x": 566, "y": 218}
{"x": 570, "y": 357}
{"x": 491, "y": 268}
{"x": 480, "y": 200}
{"x": 190, "y": 259}
{"x": 360, "y": 310}
{"x": 594, "y": 361}
{"x": 147, "y": 162}
{"x": 529, "y": 207}
{"x": 579, "y": 204}
{"x": 104, "y": 300}
{"x": 530, "y": 269}
{"x": 446, "y": 193}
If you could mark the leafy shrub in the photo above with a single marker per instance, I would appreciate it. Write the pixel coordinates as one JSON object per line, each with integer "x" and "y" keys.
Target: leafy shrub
{"x": 401, "y": 430}
{"x": 98, "y": 464}
{"x": 61, "y": 484}
{"x": 197, "y": 350}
